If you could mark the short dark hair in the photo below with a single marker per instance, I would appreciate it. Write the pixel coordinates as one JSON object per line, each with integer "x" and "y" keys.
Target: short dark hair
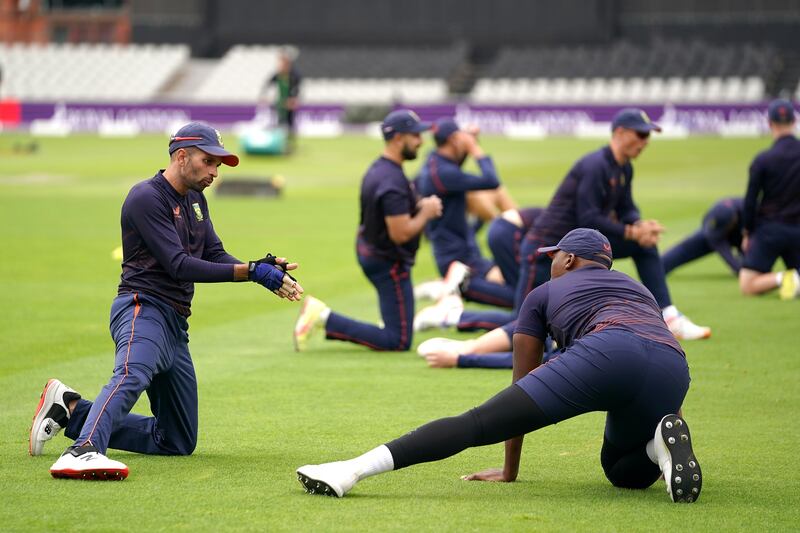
{"x": 189, "y": 150}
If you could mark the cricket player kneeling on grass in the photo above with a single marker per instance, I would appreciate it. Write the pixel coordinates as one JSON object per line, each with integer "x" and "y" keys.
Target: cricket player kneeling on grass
{"x": 169, "y": 243}
{"x": 621, "y": 359}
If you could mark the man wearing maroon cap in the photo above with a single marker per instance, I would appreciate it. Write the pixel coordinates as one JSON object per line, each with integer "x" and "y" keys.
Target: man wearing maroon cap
{"x": 618, "y": 357}
{"x": 168, "y": 244}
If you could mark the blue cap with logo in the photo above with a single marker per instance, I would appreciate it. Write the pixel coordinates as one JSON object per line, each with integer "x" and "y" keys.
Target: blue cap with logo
{"x": 402, "y": 121}
{"x": 635, "y": 119}
{"x": 203, "y": 137}
{"x": 586, "y": 243}
{"x": 444, "y": 128}
{"x": 781, "y": 111}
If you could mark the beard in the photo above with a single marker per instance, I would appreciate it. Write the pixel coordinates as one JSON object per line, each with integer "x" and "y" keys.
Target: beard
{"x": 408, "y": 153}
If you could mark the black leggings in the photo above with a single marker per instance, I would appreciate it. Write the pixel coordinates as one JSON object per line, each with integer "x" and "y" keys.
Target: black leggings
{"x": 509, "y": 414}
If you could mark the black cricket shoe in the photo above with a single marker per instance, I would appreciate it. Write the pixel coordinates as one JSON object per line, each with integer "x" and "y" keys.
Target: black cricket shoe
{"x": 673, "y": 447}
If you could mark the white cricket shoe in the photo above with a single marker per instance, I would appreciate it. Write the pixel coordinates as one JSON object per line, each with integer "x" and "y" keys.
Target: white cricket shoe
{"x": 429, "y": 290}
{"x": 85, "y": 462}
{"x": 673, "y": 446}
{"x": 435, "y": 316}
{"x": 308, "y": 319}
{"x": 439, "y": 345}
{"x": 457, "y": 274}
{"x": 686, "y": 330}
{"x": 52, "y": 414}
{"x": 790, "y": 286}
{"x": 329, "y": 479}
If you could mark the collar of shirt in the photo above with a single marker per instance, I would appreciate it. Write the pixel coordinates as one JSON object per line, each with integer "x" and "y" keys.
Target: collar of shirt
{"x": 784, "y": 138}
{"x": 384, "y": 158}
{"x": 161, "y": 180}
{"x": 609, "y": 155}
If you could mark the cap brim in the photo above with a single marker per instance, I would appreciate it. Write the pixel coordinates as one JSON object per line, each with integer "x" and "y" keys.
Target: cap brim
{"x": 548, "y": 249}
{"x": 650, "y": 126}
{"x": 227, "y": 158}
{"x": 421, "y": 126}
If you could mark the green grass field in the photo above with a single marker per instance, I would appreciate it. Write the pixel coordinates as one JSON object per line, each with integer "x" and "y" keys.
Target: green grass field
{"x": 264, "y": 410}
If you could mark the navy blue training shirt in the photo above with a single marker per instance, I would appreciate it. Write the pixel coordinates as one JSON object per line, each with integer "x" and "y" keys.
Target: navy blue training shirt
{"x": 722, "y": 228}
{"x": 385, "y": 191}
{"x": 529, "y": 215}
{"x": 168, "y": 243}
{"x": 773, "y": 191}
{"x": 596, "y": 194}
{"x": 590, "y": 299}
{"x": 451, "y": 236}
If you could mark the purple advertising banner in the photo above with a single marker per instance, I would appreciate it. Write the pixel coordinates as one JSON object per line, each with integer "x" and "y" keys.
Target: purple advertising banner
{"x": 519, "y": 120}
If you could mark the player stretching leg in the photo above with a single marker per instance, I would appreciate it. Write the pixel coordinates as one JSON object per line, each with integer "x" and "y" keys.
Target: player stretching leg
{"x": 721, "y": 233}
{"x": 168, "y": 243}
{"x": 621, "y": 359}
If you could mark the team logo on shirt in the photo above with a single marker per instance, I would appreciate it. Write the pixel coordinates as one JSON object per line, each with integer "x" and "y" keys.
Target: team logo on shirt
{"x": 176, "y": 212}
{"x": 198, "y": 213}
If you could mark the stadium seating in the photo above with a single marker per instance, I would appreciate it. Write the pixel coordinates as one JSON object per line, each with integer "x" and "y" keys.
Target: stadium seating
{"x": 240, "y": 75}
{"x": 617, "y": 90}
{"x": 337, "y": 75}
{"x": 662, "y": 71}
{"x": 619, "y": 73}
{"x": 83, "y": 72}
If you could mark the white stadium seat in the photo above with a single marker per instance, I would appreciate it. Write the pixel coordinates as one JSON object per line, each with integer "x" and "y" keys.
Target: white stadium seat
{"x": 88, "y": 72}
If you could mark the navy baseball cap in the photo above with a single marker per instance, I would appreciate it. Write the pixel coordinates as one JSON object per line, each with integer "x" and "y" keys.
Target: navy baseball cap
{"x": 203, "y": 137}
{"x": 781, "y": 111}
{"x": 402, "y": 121}
{"x": 586, "y": 243}
{"x": 444, "y": 128}
{"x": 634, "y": 119}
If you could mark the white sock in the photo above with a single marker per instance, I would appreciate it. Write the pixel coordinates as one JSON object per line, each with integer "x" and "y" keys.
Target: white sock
{"x": 670, "y": 312}
{"x": 779, "y": 278}
{"x": 323, "y": 316}
{"x": 452, "y": 317}
{"x": 375, "y": 461}
{"x": 650, "y": 448}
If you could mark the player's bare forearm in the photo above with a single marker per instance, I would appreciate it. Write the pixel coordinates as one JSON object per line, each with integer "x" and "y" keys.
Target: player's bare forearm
{"x": 528, "y": 352}
{"x": 513, "y": 456}
{"x": 240, "y": 272}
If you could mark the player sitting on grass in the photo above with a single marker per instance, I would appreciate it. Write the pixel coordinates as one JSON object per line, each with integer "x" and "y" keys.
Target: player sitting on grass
{"x": 503, "y": 238}
{"x": 771, "y": 215}
{"x": 619, "y": 357}
{"x": 168, "y": 243}
{"x": 452, "y": 239}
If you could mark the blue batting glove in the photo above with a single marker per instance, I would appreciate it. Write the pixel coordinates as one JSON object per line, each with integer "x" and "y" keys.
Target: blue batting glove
{"x": 266, "y": 275}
